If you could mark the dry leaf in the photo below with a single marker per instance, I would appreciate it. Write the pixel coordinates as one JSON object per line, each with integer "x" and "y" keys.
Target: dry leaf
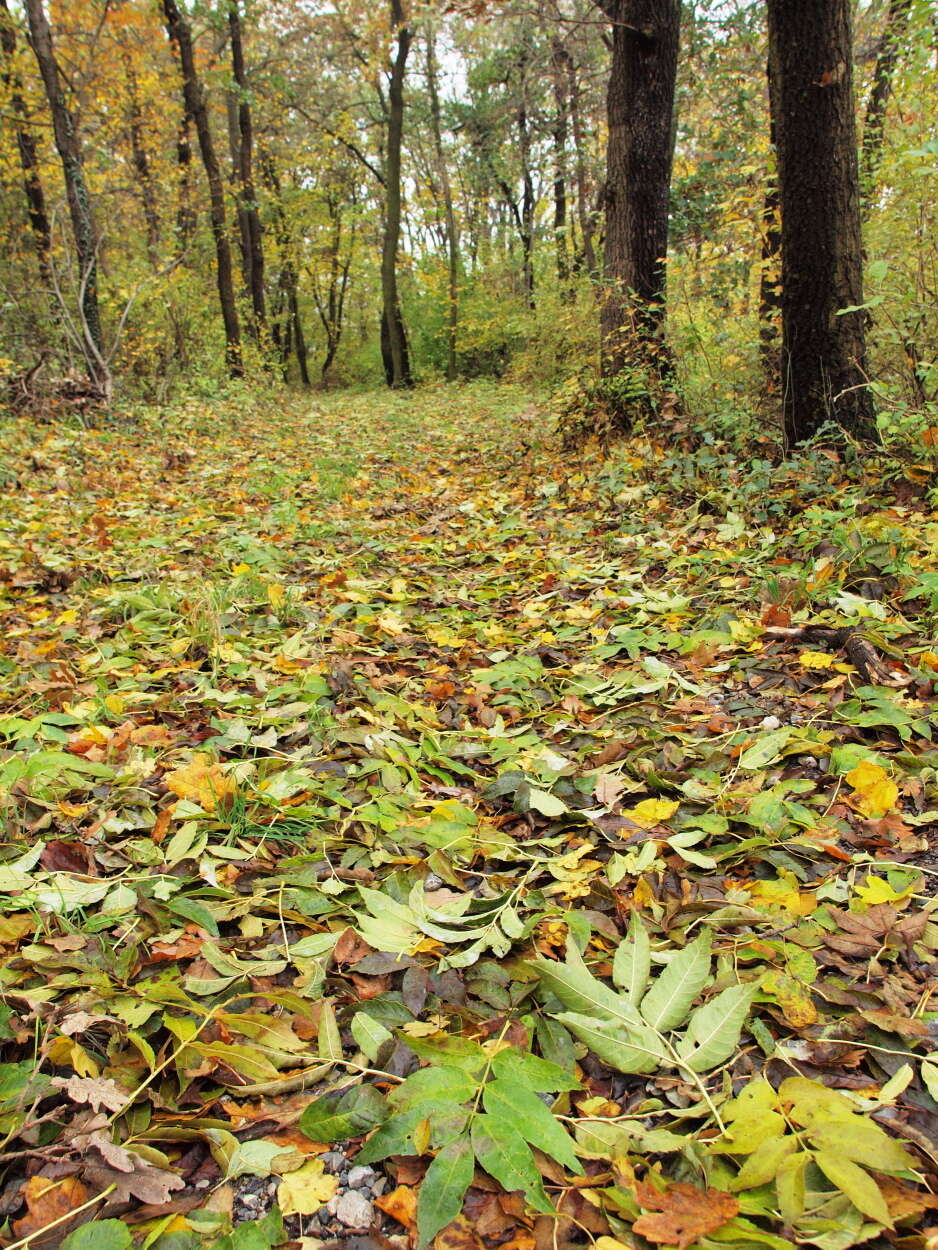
{"x": 202, "y": 782}
{"x": 48, "y": 1200}
{"x": 401, "y": 1205}
{"x": 683, "y": 1214}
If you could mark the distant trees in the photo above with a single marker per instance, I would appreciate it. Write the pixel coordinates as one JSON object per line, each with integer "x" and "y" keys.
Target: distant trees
{"x": 823, "y": 363}
{"x": 640, "y": 109}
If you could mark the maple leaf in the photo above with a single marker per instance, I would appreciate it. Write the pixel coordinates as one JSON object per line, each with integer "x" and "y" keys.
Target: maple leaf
{"x": 304, "y": 1191}
{"x": 877, "y": 792}
{"x": 202, "y": 782}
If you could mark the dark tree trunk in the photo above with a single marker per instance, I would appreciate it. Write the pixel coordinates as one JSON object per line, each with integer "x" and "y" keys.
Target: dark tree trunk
{"x": 526, "y": 224}
{"x": 452, "y": 237}
{"x": 248, "y": 209}
{"x": 394, "y": 350}
{"x": 68, "y": 145}
{"x": 26, "y": 146}
{"x": 331, "y": 306}
{"x": 181, "y": 36}
{"x": 141, "y": 162}
{"x": 560, "y": 128}
{"x": 186, "y": 215}
{"x": 897, "y": 23}
{"x": 823, "y": 353}
{"x": 640, "y": 108}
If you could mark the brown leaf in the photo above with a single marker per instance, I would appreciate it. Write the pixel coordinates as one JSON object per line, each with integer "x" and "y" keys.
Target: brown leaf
{"x": 48, "y": 1200}
{"x": 683, "y": 1214}
{"x": 460, "y": 1235}
{"x": 96, "y": 1091}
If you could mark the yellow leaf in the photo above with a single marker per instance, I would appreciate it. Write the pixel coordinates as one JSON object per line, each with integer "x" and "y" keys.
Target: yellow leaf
{"x": 878, "y": 890}
{"x": 816, "y": 659}
{"x": 878, "y": 794}
{"x": 238, "y": 569}
{"x": 651, "y": 812}
{"x": 202, "y": 782}
{"x": 275, "y": 595}
{"x": 304, "y": 1191}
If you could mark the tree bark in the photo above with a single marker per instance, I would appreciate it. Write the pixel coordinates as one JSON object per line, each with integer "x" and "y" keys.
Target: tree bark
{"x": 68, "y": 145}
{"x": 770, "y": 289}
{"x": 452, "y": 237}
{"x": 186, "y": 215}
{"x": 286, "y": 323}
{"x": 874, "y": 126}
{"x": 26, "y": 146}
{"x": 559, "y": 82}
{"x": 640, "y": 107}
{"x": 141, "y": 162}
{"x": 253, "y": 241}
{"x": 823, "y": 353}
{"x": 181, "y": 37}
{"x": 394, "y": 349}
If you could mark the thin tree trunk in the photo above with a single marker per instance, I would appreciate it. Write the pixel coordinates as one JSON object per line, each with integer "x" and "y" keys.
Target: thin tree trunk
{"x": 585, "y": 214}
{"x": 181, "y": 36}
{"x": 141, "y": 162}
{"x": 26, "y": 146}
{"x": 286, "y": 325}
{"x": 559, "y": 135}
{"x": 874, "y": 126}
{"x": 254, "y": 245}
{"x": 527, "y": 186}
{"x": 186, "y": 215}
{"x": 68, "y": 144}
{"x": 823, "y": 349}
{"x": 394, "y": 348}
{"x": 452, "y": 238}
{"x": 640, "y": 107}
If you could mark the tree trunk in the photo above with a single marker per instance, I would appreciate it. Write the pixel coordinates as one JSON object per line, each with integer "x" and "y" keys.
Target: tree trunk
{"x": 558, "y": 56}
{"x": 286, "y": 325}
{"x": 26, "y": 146}
{"x": 452, "y": 238}
{"x": 823, "y": 353}
{"x": 68, "y": 146}
{"x": 141, "y": 162}
{"x": 181, "y": 36}
{"x": 394, "y": 350}
{"x": 526, "y": 225}
{"x": 585, "y": 213}
{"x": 897, "y": 23}
{"x": 186, "y": 216}
{"x": 640, "y": 107}
{"x": 253, "y": 241}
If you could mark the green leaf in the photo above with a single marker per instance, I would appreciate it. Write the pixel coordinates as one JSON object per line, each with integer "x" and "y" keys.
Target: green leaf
{"x": 534, "y": 1073}
{"x": 334, "y": 1118}
{"x": 627, "y": 1051}
{"x": 765, "y": 749}
{"x": 99, "y": 1235}
{"x": 577, "y": 988}
{"x": 369, "y": 1034}
{"x": 631, "y": 965}
{"x": 547, "y": 804}
{"x": 790, "y": 1187}
{"x": 855, "y": 1184}
{"x": 329, "y": 1039}
{"x": 763, "y": 1164}
{"x": 194, "y": 911}
{"x": 929, "y": 1071}
{"x": 505, "y": 1155}
{"x": 670, "y": 998}
{"x": 443, "y": 1189}
{"x": 714, "y": 1029}
{"x": 863, "y": 1142}
{"x": 522, "y": 1108}
{"x": 455, "y": 1052}
{"x": 451, "y": 1084}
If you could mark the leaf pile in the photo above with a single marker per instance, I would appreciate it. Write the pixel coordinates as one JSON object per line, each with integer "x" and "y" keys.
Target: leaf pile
{"x": 372, "y": 775}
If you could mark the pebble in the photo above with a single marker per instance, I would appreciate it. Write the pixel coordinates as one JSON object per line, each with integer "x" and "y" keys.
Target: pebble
{"x": 352, "y": 1209}
{"x": 771, "y": 722}
{"x": 360, "y": 1176}
{"x": 333, "y": 1161}
{"x": 432, "y": 881}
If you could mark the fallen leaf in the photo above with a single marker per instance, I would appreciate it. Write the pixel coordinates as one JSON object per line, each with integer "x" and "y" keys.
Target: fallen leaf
{"x": 683, "y": 1214}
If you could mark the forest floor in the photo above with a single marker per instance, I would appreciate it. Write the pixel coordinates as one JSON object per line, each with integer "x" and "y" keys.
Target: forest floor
{"x": 413, "y": 832}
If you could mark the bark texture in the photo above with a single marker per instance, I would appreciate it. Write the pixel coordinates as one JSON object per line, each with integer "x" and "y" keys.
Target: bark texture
{"x": 874, "y": 126}
{"x": 452, "y": 237}
{"x": 181, "y": 37}
{"x": 249, "y": 215}
{"x": 823, "y": 353}
{"x": 640, "y": 109}
{"x": 394, "y": 349}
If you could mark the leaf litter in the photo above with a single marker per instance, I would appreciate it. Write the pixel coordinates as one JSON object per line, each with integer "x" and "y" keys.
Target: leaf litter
{"x": 414, "y": 835}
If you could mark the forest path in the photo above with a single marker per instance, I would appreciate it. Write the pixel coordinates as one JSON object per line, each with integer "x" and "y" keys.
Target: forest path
{"x": 323, "y": 720}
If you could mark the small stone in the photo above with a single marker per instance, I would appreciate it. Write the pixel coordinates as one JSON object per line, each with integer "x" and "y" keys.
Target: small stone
{"x": 359, "y": 1177}
{"x": 333, "y": 1161}
{"x": 432, "y": 882}
{"x": 771, "y": 722}
{"x": 251, "y": 1200}
{"x": 379, "y": 1187}
{"x": 353, "y": 1210}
